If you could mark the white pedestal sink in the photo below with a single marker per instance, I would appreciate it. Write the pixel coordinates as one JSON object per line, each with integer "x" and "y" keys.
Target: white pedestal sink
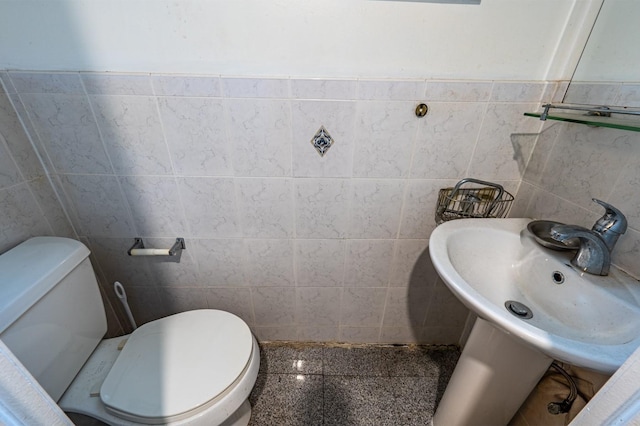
{"x": 586, "y": 320}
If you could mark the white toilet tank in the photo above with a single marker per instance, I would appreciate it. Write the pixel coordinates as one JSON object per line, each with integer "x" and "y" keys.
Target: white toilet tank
{"x": 51, "y": 311}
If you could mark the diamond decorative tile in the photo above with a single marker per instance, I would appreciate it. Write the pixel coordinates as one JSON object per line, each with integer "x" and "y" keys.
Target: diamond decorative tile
{"x": 322, "y": 141}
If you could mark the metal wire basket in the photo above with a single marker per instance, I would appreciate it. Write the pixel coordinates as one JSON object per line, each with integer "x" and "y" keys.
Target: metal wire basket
{"x": 487, "y": 201}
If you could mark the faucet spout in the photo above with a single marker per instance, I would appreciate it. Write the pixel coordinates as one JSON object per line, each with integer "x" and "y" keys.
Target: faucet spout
{"x": 593, "y": 256}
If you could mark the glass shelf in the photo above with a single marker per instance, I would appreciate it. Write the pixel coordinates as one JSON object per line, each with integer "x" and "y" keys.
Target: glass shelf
{"x": 614, "y": 122}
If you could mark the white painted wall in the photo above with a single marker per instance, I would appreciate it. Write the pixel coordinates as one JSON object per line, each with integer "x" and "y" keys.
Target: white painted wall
{"x": 612, "y": 53}
{"x": 497, "y": 39}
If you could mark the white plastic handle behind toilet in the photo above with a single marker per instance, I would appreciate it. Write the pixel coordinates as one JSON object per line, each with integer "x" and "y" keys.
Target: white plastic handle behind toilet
{"x": 122, "y": 295}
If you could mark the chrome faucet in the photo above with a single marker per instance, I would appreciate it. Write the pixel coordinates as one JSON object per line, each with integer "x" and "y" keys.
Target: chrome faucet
{"x": 611, "y": 225}
{"x": 594, "y": 256}
{"x": 596, "y": 244}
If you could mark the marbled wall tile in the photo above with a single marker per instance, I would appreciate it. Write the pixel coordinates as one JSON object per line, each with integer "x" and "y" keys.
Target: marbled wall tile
{"x": 592, "y": 93}
{"x": 234, "y": 300}
{"x": 445, "y": 143}
{"x": 240, "y": 87}
{"x": 390, "y": 90}
{"x": 549, "y": 92}
{"x": 186, "y": 85}
{"x": 368, "y": 263}
{"x": 358, "y": 334}
{"x": 627, "y": 252}
{"x": 196, "y": 135}
{"x": 523, "y": 197}
{"x": 458, "y": 91}
{"x": 67, "y": 129}
{"x": 319, "y": 263}
{"x": 114, "y": 325}
{"x": 9, "y": 172}
{"x": 50, "y": 205}
{"x": 545, "y": 205}
{"x": 66, "y": 202}
{"x": 516, "y": 91}
{"x": 269, "y": 263}
{"x": 146, "y": 304}
{"x": 385, "y": 133}
{"x": 375, "y": 208}
{"x": 392, "y": 335}
{"x": 266, "y": 207}
{"x": 363, "y": 307}
{"x": 445, "y": 310}
{"x": 338, "y": 117}
{"x": 220, "y": 262}
{"x": 36, "y": 82}
{"x": 274, "y": 306}
{"x": 210, "y": 207}
{"x": 317, "y": 334}
{"x": 117, "y": 265}
{"x": 269, "y": 334}
{"x": 554, "y": 91}
{"x": 118, "y": 322}
{"x": 176, "y": 300}
{"x": 420, "y": 201}
{"x": 412, "y": 265}
{"x": 318, "y": 306}
{"x": 561, "y": 92}
{"x": 20, "y": 217}
{"x": 628, "y": 95}
{"x": 6, "y": 86}
{"x": 322, "y": 207}
{"x": 155, "y": 205}
{"x": 511, "y": 186}
{"x": 99, "y": 204}
{"x": 323, "y": 89}
{"x": 260, "y": 132}
{"x": 17, "y": 140}
{"x": 116, "y": 84}
{"x": 440, "y": 335}
{"x": 536, "y": 168}
{"x": 132, "y": 134}
{"x": 592, "y": 168}
{"x": 173, "y": 271}
{"x": 506, "y": 141}
{"x": 406, "y": 307}
{"x": 624, "y": 192}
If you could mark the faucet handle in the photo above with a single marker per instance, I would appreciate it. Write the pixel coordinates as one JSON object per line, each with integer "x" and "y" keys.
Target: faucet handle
{"x": 612, "y": 221}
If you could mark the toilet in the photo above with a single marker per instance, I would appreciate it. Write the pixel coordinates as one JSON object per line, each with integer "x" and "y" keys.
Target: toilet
{"x": 192, "y": 368}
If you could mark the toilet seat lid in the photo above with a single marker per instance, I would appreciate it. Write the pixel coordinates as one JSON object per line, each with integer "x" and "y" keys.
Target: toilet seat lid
{"x": 176, "y": 364}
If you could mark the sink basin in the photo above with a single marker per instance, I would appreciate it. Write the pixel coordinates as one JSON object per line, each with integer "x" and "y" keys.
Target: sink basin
{"x": 582, "y": 319}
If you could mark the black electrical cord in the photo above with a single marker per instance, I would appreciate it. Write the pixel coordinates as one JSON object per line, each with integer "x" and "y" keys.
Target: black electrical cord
{"x": 564, "y": 406}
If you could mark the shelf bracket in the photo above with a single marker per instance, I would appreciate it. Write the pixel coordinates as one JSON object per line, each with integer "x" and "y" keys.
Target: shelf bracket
{"x": 601, "y": 111}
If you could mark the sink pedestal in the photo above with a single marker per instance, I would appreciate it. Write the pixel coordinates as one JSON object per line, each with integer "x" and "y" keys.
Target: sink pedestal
{"x": 493, "y": 377}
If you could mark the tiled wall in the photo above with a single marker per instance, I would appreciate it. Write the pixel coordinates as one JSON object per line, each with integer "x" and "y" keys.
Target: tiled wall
{"x": 28, "y": 206}
{"x": 573, "y": 163}
{"x": 625, "y": 94}
{"x": 302, "y": 247}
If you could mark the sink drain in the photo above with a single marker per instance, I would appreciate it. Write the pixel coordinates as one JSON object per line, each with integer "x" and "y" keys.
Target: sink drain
{"x": 557, "y": 277}
{"x": 518, "y": 309}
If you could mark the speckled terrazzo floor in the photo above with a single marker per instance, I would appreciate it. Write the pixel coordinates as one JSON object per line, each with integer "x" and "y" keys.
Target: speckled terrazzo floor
{"x": 346, "y": 385}
{"x": 316, "y": 384}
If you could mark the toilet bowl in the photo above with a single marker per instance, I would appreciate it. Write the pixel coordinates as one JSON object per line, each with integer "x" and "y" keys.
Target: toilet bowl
{"x": 192, "y": 368}
{"x": 170, "y": 371}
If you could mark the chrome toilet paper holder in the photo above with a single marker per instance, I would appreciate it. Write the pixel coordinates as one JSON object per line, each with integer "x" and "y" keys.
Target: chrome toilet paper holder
{"x": 138, "y": 249}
